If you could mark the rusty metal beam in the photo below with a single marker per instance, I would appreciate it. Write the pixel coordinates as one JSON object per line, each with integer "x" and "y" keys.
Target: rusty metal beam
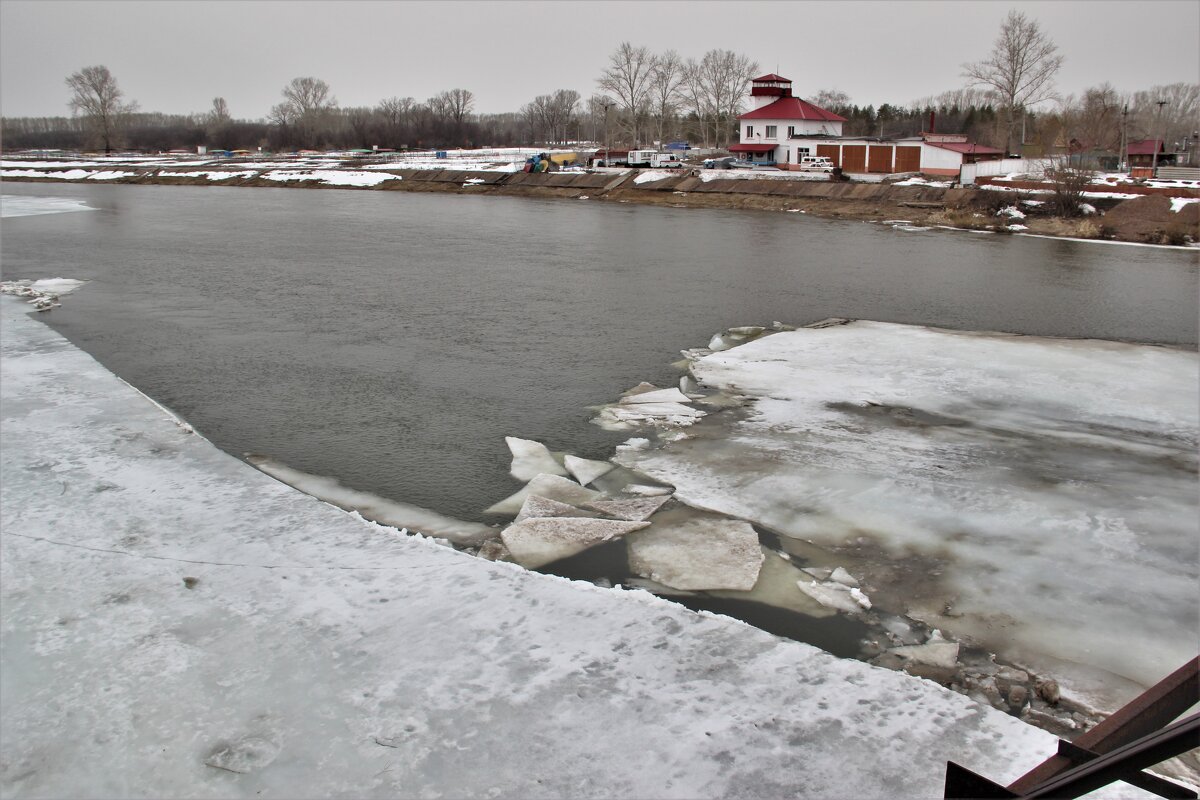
{"x": 1152, "y": 710}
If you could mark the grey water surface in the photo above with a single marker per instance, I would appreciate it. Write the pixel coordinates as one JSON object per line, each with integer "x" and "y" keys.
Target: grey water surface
{"x": 392, "y": 340}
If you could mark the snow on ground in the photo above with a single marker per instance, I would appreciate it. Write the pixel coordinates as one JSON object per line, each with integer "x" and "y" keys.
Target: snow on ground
{"x": 212, "y": 175}
{"x": 179, "y": 624}
{"x": 919, "y": 181}
{"x": 19, "y": 205}
{"x": 332, "y": 177}
{"x": 68, "y": 175}
{"x": 1056, "y": 479}
{"x": 1179, "y": 203}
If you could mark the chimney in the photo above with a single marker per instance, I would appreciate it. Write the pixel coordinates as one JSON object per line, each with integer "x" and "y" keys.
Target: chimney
{"x": 932, "y": 119}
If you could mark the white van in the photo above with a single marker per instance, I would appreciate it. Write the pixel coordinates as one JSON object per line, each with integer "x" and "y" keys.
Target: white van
{"x": 666, "y": 161}
{"x": 641, "y": 158}
{"x": 816, "y": 164}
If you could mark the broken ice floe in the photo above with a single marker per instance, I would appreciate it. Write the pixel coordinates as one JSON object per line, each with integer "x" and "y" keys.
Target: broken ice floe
{"x": 531, "y": 459}
{"x": 936, "y": 652}
{"x": 1010, "y": 457}
{"x": 553, "y": 487}
{"x": 838, "y": 596}
{"x": 635, "y": 510}
{"x": 538, "y": 506}
{"x": 585, "y": 470}
{"x": 536, "y": 542}
{"x": 41, "y": 294}
{"x": 689, "y": 551}
{"x": 656, "y": 396}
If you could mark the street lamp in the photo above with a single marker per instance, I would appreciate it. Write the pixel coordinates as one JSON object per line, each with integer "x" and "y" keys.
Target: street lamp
{"x": 607, "y": 146}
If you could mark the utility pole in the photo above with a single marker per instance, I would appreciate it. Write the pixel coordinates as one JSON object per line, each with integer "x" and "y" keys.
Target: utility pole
{"x": 1124, "y": 164}
{"x": 1154, "y": 163}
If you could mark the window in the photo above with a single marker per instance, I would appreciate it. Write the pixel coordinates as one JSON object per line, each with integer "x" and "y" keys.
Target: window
{"x": 791, "y": 131}
{"x": 749, "y": 131}
{"x": 801, "y": 152}
{"x": 787, "y": 155}
{"x": 771, "y": 131}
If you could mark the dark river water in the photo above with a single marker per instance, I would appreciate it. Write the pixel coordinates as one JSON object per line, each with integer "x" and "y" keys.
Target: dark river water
{"x": 392, "y": 340}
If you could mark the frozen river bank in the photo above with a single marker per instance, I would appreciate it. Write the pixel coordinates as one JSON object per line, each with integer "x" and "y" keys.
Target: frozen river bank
{"x": 178, "y": 624}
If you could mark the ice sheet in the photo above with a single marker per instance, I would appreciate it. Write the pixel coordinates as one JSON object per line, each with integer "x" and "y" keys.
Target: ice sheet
{"x": 204, "y": 616}
{"x": 19, "y": 205}
{"x": 1056, "y": 477}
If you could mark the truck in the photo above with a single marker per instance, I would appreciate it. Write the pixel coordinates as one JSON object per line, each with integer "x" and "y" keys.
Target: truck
{"x": 655, "y": 159}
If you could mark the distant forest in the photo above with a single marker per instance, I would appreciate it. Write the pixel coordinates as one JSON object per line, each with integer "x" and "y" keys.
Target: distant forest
{"x": 642, "y": 97}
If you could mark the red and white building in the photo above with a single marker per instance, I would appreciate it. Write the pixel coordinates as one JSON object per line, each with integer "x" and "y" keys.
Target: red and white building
{"x": 782, "y": 129}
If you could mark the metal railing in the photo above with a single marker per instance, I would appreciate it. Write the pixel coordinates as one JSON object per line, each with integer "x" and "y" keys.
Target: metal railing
{"x": 1139, "y": 735}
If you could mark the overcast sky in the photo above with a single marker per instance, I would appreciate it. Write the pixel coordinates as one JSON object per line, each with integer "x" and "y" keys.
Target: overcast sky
{"x": 175, "y": 56}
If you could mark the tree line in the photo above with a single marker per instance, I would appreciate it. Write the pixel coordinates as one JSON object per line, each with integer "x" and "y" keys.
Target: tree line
{"x": 1008, "y": 101}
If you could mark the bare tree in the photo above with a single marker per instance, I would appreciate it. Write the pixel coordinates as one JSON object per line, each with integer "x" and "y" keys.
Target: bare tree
{"x": 695, "y": 98}
{"x": 306, "y": 113}
{"x": 831, "y": 99}
{"x": 309, "y": 95}
{"x": 667, "y": 77}
{"x": 459, "y": 103}
{"x": 1020, "y": 69}
{"x": 628, "y": 79}
{"x": 98, "y": 98}
{"x": 218, "y": 120}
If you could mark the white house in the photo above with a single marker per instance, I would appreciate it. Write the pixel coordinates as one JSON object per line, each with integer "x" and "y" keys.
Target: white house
{"x": 779, "y": 128}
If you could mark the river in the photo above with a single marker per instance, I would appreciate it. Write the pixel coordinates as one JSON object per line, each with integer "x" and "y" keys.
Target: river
{"x": 392, "y": 340}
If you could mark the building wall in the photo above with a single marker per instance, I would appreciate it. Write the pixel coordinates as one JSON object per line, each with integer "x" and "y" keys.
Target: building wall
{"x": 940, "y": 161}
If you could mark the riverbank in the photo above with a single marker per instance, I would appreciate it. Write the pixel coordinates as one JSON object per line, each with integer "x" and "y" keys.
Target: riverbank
{"x": 216, "y": 633}
{"x": 1154, "y": 220}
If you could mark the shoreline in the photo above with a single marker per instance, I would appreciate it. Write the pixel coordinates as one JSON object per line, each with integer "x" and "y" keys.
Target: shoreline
{"x": 907, "y": 207}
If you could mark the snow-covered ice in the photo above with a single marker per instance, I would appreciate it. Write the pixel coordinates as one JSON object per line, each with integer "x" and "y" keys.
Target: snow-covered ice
{"x": 686, "y": 550}
{"x": 553, "y": 487}
{"x": 170, "y": 611}
{"x": 1055, "y": 478}
{"x": 537, "y": 541}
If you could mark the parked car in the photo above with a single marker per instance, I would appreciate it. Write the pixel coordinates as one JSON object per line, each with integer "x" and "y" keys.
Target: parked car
{"x": 816, "y": 164}
{"x": 725, "y": 162}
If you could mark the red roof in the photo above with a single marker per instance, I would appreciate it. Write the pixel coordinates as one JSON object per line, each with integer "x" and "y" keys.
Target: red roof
{"x": 1145, "y": 147}
{"x": 751, "y": 148}
{"x": 771, "y": 77}
{"x": 965, "y": 147}
{"x": 792, "y": 108}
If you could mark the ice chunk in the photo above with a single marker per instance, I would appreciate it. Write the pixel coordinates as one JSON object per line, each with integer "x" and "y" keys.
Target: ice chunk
{"x": 776, "y": 586}
{"x": 840, "y": 575}
{"x": 831, "y": 595}
{"x": 747, "y": 330}
{"x": 636, "y": 443}
{"x": 648, "y": 491}
{"x": 633, "y": 510}
{"x": 653, "y": 411}
{"x": 658, "y": 396}
{"x": 536, "y": 542}
{"x": 936, "y": 652}
{"x": 585, "y": 470}
{"x": 698, "y": 553}
{"x": 538, "y": 506}
{"x": 552, "y": 487}
{"x": 641, "y": 388}
{"x": 531, "y": 459}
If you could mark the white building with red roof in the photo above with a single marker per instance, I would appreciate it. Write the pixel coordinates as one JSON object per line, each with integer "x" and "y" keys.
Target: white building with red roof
{"x": 782, "y": 129}
{"x": 779, "y": 129}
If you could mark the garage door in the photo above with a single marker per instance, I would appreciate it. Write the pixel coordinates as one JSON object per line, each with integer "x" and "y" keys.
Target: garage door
{"x": 854, "y": 157}
{"x": 880, "y": 158}
{"x": 830, "y": 151}
{"x": 908, "y": 159}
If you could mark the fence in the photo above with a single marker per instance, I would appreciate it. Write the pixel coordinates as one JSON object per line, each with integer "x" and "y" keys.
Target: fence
{"x": 987, "y": 169}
